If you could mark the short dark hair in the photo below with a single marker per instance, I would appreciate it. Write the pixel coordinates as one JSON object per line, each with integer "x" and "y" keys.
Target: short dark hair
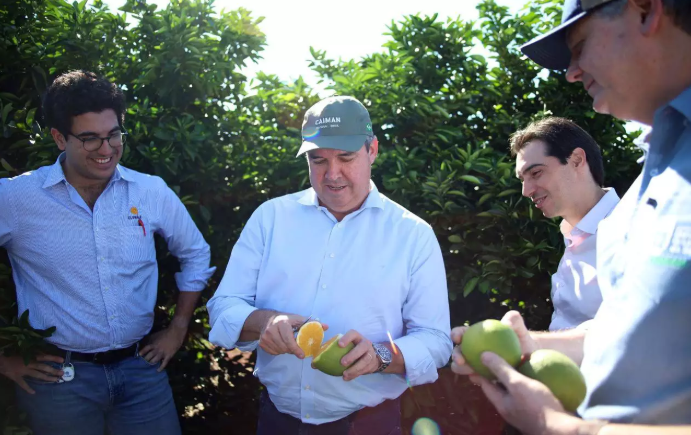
{"x": 561, "y": 136}
{"x": 77, "y": 92}
{"x": 368, "y": 142}
{"x": 679, "y": 10}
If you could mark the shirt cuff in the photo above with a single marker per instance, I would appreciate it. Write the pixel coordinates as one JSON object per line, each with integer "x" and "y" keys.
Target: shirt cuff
{"x": 226, "y": 330}
{"x": 194, "y": 281}
{"x": 419, "y": 365}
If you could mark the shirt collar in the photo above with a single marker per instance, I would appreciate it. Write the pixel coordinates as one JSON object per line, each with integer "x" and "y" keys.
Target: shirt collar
{"x": 682, "y": 103}
{"x": 57, "y": 175}
{"x": 374, "y": 200}
{"x": 591, "y": 220}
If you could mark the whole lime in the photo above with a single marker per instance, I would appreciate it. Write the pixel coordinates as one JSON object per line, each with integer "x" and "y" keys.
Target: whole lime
{"x": 490, "y": 336}
{"x": 329, "y": 358}
{"x": 559, "y": 373}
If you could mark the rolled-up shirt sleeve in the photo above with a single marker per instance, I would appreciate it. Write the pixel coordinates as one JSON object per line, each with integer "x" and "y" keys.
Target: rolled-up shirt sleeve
{"x": 234, "y": 299}
{"x": 185, "y": 242}
{"x": 427, "y": 344}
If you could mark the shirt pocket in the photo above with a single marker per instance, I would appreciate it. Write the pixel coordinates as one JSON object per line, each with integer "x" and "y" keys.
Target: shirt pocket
{"x": 136, "y": 244}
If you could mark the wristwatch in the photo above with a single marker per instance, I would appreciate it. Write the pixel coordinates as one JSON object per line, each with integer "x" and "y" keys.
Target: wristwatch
{"x": 384, "y": 356}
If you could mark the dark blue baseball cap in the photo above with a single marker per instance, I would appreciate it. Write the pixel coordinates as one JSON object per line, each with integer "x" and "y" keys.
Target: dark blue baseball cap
{"x": 550, "y": 50}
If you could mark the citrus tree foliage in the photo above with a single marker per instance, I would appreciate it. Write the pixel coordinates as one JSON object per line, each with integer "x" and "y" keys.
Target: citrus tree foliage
{"x": 444, "y": 96}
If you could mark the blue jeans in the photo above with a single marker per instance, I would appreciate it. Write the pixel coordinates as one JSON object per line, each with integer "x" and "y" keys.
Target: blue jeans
{"x": 383, "y": 419}
{"x": 129, "y": 397}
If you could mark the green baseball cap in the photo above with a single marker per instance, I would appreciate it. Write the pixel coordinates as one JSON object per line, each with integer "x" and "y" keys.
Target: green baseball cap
{"x": 340, "y": 123}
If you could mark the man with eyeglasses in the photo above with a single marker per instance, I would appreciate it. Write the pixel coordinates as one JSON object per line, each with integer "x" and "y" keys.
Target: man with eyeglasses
{"x": 80, "y": 236}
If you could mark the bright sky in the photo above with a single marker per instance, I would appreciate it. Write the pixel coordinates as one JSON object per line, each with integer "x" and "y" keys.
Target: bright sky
{"x": 347, "y": 29}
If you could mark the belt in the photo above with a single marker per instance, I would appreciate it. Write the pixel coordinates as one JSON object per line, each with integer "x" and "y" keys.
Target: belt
{"x": 107, "y": 357}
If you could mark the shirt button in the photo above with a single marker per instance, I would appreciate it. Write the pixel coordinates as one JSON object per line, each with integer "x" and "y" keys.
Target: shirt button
{"x": 103, "y": 259}
{"x": 340, "y": 225}
{"x": 332, "y": 255}
{"x": 106, "y": 289}
{"x": 112, "y": 317}
{"x": 654, "y": 172}
{"x": 307, "y": 387}
{"x": 323, "y": 285}
{"x": 307, "y": 416}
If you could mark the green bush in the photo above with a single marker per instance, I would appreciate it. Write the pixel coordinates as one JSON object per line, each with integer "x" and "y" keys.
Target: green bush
{"x": 442, "y": 109}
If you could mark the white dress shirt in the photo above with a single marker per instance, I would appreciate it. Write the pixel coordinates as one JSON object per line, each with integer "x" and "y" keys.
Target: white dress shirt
{"x": 575, "y": 292}
{"x": 379, "y": 270}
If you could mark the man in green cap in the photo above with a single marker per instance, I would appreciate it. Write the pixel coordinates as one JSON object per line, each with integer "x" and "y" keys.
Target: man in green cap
{"x": 346, "y": 255}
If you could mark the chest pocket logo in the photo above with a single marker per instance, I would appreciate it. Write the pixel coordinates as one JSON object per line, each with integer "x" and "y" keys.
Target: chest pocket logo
{"x": 134, "y": 214}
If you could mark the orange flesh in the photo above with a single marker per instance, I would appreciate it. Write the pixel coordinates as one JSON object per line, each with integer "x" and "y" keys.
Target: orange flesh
{"x": 310, "y": 337}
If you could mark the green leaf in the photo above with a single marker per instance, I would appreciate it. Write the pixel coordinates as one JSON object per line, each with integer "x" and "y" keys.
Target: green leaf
{"x": 507, "y": 192}
{"x": 484, "y": 198}
{"x": 30, "y": 116}
{"x": 6, "y": 165}
{"x": 5, "y": 112}
{"x": 470, "y": 286}
{"x": 455, "y": 239}
{"x": 471, "y": 178}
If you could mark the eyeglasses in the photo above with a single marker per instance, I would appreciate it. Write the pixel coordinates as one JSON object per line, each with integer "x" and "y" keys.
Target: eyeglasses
{"x": 92, "y": 143}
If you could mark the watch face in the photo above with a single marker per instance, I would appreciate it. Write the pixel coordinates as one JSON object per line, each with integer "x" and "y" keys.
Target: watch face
{"x": 384, "y": 353}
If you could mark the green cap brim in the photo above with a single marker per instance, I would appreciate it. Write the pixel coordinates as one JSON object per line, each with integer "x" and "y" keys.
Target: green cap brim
{"x": 344, "y": 143}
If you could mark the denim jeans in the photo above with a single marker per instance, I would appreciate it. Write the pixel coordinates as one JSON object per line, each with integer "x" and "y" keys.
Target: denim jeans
{"x": 383, "y": 419}
{"x": 129, "y": 397}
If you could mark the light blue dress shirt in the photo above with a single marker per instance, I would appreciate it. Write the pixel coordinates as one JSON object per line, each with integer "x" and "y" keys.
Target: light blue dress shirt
{"x": 637, "y": 360}
{"x": 93, "y": 274}
{"x": 379, "y": 270}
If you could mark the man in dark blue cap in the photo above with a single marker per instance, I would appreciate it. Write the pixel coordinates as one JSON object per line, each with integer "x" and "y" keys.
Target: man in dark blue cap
{"x": 634, "y": 59}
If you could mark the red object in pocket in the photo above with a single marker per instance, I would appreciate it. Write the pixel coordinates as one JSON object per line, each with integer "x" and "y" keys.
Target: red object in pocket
{"x": 141, "y": 224}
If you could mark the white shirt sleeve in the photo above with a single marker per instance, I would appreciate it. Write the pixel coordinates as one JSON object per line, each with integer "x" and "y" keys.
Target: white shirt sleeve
{"x": 234, "y": 299}
{"x": 427, "y": 344}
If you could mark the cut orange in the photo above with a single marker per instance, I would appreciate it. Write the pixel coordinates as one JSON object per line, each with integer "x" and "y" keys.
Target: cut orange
{"x": 310, "y": 338}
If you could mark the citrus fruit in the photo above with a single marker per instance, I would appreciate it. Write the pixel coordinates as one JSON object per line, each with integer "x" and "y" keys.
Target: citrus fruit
{"x": 490, "y": 336}
{"x": 310, "y": 338}
{"x": 425, "y": 426}
{"x": 328, "y": 359}
{"x": 559, "y": 373}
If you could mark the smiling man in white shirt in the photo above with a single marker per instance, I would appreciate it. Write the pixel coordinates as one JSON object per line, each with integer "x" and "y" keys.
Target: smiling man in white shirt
{"x": 560, "y": 166}
{"x": 345, "y": 254}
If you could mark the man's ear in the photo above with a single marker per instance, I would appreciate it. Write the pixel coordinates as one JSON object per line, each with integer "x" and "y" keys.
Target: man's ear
{"x": 373, "y": 150}
{"x": 651, "y": 13}
{"x": 578, "y": 158}
{"x": 59, "y": 139}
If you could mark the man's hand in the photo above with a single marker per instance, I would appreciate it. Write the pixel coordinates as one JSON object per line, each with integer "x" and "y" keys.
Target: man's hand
{"x": 524, "y": 403}
{"x": 513, "y": 319}
{"x": 14, "y": 368}
{"x": 363, "y": 356}
{"x": 278, "y": 337}
{"x": 163, "y": 345}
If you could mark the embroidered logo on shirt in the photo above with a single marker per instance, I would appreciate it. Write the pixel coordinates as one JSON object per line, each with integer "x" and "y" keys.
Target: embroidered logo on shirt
{"x": 135, "y": 215}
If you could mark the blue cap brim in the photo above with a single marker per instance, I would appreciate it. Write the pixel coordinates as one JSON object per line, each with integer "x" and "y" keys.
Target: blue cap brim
{"x": 550, "y": 49}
